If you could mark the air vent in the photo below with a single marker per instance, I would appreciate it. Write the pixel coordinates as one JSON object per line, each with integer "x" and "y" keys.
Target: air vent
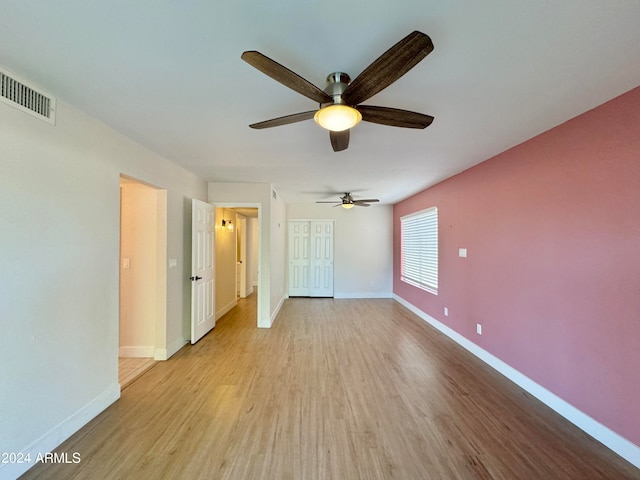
{"x": 26, "y": 97}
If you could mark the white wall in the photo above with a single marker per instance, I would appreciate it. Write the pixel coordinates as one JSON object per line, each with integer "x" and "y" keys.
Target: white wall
{"x": 278, "y": 254}
{"x": 252, "y": 246}
{"x": 60, "y": 215}
{"x": 363, "y": 247}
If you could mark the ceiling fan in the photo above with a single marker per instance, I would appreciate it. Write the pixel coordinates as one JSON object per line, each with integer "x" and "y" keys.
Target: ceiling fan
{"x": 347, "y": 201}
{"x": 340, "y": 103}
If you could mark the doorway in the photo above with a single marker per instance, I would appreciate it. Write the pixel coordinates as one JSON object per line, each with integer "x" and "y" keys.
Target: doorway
{"x": 237, "y": 255}
{"x": 143, "y": 247}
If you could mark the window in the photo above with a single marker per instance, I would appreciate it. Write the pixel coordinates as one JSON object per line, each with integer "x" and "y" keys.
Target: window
{"x": 419, "y": 249}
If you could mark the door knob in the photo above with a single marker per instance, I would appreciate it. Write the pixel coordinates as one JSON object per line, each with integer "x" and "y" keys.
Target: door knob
{"x": 195, "y": 279}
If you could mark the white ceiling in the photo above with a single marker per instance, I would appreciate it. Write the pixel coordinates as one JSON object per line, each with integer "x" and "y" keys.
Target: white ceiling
{"x": 169, "y": 75}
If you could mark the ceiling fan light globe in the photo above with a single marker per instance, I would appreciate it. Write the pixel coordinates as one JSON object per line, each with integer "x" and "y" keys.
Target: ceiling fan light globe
{"x": 337, "y": 118}
{"x": 347, "y": 205}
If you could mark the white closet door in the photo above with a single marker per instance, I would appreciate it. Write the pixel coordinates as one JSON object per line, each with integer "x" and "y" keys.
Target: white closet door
{"x": 310, "y": 258}
{"x": 321, "y": 263}
{"x": 299, "y": 258}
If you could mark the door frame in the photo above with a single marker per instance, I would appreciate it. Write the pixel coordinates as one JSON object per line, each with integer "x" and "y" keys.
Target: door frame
{"x": 263, "y": 318}
{"x": 160, "y": 279}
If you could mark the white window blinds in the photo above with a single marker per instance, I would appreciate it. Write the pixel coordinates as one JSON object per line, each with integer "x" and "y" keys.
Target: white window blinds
{"x": 419, "y": 249}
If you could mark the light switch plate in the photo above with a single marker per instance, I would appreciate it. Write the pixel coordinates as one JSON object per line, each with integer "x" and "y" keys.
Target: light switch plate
{"x": 462, "y": 252}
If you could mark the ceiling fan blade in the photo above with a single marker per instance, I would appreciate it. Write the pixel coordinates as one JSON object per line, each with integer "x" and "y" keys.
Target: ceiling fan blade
{"x": 339, "y": 140}
{"x": 286, "y": 120}
{"x": 394, "y": 117}
{"x": 367, "y": 200}
{"x": 285, "y": 76}
{"x": 330, "y": 201}
{"x": 388, "y": 68}
{"x": 361, "y": 204}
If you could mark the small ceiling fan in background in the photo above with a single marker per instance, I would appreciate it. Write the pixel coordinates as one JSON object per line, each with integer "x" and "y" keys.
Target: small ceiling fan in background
{"x": 340, "y": 103}
{"x": 347, "y": 201}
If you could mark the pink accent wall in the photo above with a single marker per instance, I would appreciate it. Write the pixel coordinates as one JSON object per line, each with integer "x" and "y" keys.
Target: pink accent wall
{"x": 552, "y": 228}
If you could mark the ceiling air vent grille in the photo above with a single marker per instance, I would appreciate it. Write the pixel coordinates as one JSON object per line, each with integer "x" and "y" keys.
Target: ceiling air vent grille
{"x": 26, "y": 97}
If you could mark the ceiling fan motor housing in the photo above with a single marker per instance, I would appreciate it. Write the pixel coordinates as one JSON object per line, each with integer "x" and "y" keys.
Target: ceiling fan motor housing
{"x": 337, "y": 83}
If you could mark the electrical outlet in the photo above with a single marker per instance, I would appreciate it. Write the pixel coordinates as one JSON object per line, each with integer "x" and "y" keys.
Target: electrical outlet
{"x": 462, "y": 252}
{"x": 478, "y": 329}
{"x": 446, "y": 312}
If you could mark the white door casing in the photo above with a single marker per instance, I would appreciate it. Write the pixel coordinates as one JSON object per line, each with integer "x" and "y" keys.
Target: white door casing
{"x": 202, "y": 269}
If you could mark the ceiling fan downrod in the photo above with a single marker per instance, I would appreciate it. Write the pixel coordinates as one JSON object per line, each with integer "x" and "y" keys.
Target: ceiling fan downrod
{"x": 337, "y": 83}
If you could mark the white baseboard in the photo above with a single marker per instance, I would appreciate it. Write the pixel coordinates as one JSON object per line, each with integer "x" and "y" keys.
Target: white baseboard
{"x": 620, "y": 445}
{"x": 226, "y": 308}
{"x": 166, "y": 353}
{"x": 136, "y": 352}
{"x": 362, "y": 295}
{"x": 58, "y": 434}
{"x": 249, "y": 292}
{"x": 277, "y": 310}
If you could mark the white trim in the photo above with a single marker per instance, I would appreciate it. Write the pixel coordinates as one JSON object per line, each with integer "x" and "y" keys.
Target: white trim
{"x": 363, "y": 295}
{"x": 603, "y": 434}
{"x": 277, "y": 310}
{"x": 226, "y": 308}
{"x": 136, "y": 352}
{"x": 58, "y": 434}
{"x": 162, "y": 354}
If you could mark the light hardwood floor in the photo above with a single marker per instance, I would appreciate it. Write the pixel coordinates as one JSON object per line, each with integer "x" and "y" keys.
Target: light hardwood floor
{"x": 336, "y": 389}
{"x": 129, "y": 369}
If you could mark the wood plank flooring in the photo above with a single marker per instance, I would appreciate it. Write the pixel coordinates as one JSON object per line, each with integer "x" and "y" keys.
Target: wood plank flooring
{"x": 336, "y": 389}
{"x": 129, "y": 369}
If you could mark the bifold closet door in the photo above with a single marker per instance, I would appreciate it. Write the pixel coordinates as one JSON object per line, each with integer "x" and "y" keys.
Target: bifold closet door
{"x": 311, "y": 258}
{"x": 321, "y": 263}
{"x": 299, "y": 260}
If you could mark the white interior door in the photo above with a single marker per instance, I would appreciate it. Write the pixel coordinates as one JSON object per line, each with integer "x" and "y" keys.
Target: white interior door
{"x": 321, "y": 259}
{"x": 299, "y": 236}
{"x": 202, "y": 269}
